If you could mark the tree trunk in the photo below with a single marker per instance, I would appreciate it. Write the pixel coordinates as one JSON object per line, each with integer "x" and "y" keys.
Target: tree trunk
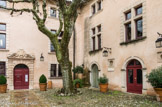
{"x": 67, "y": 79}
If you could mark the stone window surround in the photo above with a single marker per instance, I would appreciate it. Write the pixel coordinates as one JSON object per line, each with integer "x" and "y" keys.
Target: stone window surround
{"x": 49, "y": 70}
{"x": 7, "y": 34}
{"x": 96, "y": 7}
{"x": 96, "y": 37}
{"x": 123, "y": 74}
{"x": 49, "y": 44}
{"x": 134, "y": 17}
{"x": 57, "y": 12}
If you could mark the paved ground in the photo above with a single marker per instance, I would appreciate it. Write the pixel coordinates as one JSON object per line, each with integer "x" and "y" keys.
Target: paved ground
{"x": 94, "y": 98}
{"x": 88, "y": 98}
{"x": 21, "y": 98}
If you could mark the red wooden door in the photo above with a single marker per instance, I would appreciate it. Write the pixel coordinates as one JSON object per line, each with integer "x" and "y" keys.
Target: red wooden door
{"x": 134, "y": 77}
{"x": 21, "y": 78}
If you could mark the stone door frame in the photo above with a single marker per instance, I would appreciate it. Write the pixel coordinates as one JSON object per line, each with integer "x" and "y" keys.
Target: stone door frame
{"x": 124, "y": 79}
{"x": 20, "y": 58}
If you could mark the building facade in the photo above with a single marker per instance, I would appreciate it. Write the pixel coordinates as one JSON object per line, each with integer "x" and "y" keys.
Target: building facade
{"x": 119, "y": 41}
{"x": 26, "y": 53}
{"x": 113, "y": 37}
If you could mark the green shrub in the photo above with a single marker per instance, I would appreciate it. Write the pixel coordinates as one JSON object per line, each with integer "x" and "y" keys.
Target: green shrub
{"x": 155, "y": 77}
{"x": 42, "y": 79}
{"x": 78, "y": 69}
{"x": 103, "y": 80}
{"x": 78, "y": 81}
{"x": 3, "y": 80}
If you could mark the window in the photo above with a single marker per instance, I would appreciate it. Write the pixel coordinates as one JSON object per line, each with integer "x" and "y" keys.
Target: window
{"x": 2, "y": 41}
{"x": 99, "y": 5}
{"x": 128, "y": 31}
{"x": 53, "y": 12}
{"x": 99, "y": 41}
{"x": 139, "y": 10}
{"x": 96, "y": 38}
{"x": 2, "y": 27}
{"x": 133, "y": 24}
{"x": 99, "y": 28}
{"x": 59, "y": 71}
{"x": 139, "y": 28}
{"x": 128, "y": 15}
{"x": 2, "y": 68}
{"x": 52, "y": 49}
{"x": 93, "y": 31}
{"x": 93, "y": 42}
{"x": 3, "y": 3}
{"x": 93, "y": 9}
{"x": 54, "y": 71}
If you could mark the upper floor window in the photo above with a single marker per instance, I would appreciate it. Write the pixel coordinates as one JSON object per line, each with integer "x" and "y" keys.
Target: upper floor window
{"x": 128, "y": 31}
{"x": 53, "y": 12}
{"x": 139, "y": 10}
{"x": 135, "y": 24}
{"x": 93, "y": 9}
{"x": 99, "y": 28}
{"x": 99, "y": 5}
{"x": 96, "y": 38}
{"x": 2, "y": 68}
{"x": 2, "y": 36}
{"x": 128, "y": 15}
{"x": 3, "y": 3}
{"x": 2, "y": 27}
{"x": 55, "y": 70}
{"x": 139, "y": 28}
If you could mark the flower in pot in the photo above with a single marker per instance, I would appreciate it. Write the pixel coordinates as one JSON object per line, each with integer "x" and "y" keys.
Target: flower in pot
{"x": 155, "y": 79}
{"x": 3, "y": 85}
{"x": 78, "y": 83}
{"x": 43, "y": 83}
{"x": 103, "y": 83}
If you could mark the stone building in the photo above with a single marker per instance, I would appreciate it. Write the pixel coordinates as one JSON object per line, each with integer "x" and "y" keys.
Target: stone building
{"x": 117, "y": 38}
{"x": 113, "y": 37}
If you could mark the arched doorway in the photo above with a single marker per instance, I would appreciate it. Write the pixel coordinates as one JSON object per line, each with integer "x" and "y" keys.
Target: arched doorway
{"x": 134, "y": 77}
{"x": 94, "y": 76}
{"x": 21, "y": 77}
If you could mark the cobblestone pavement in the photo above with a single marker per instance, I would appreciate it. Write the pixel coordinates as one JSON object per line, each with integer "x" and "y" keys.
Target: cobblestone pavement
{"x": 23, "y": 98}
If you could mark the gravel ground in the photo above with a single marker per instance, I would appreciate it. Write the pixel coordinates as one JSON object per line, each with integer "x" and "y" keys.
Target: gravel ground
{"x": 94, "y": 98}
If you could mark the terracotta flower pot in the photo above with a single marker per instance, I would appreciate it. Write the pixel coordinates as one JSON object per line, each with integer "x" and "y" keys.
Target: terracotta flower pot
{"x": 43, "y": 86}
{"x": 80, "y": 75}
{"x": 103, "y": 87}
{"x": 49, "y": 84}
{"x": 77, "y": 85}
{"x": 3, "y": 88}
{"x": 158, "y": 94}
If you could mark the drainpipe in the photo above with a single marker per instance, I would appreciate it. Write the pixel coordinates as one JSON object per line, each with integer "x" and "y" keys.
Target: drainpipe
{"x": 74, "y": 43}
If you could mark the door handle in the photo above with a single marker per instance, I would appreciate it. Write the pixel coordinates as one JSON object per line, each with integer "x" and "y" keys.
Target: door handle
{"x": 135, "y": 78}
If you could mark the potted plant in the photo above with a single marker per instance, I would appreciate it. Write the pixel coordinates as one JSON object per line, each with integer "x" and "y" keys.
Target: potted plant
{"x": 78, "y": 83}
{"x": 43, "y": 83}
{"x": 79, "y": 70}
{"x": 3, "y": 85}
{"x": 103, "y": 83}
{"x": 155, "y": 78}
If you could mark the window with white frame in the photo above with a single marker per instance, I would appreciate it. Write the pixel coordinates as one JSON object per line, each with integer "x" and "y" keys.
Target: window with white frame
{"x": 134, "y": 23}
{"x": 2, "y": 36}
{"x": 55, "y": 70}
{"x": 3, "y": 3}
{"x": 2, "y": 68}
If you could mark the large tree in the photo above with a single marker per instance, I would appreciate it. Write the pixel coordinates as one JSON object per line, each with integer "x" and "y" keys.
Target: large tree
{"x": 68, "y": 12}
